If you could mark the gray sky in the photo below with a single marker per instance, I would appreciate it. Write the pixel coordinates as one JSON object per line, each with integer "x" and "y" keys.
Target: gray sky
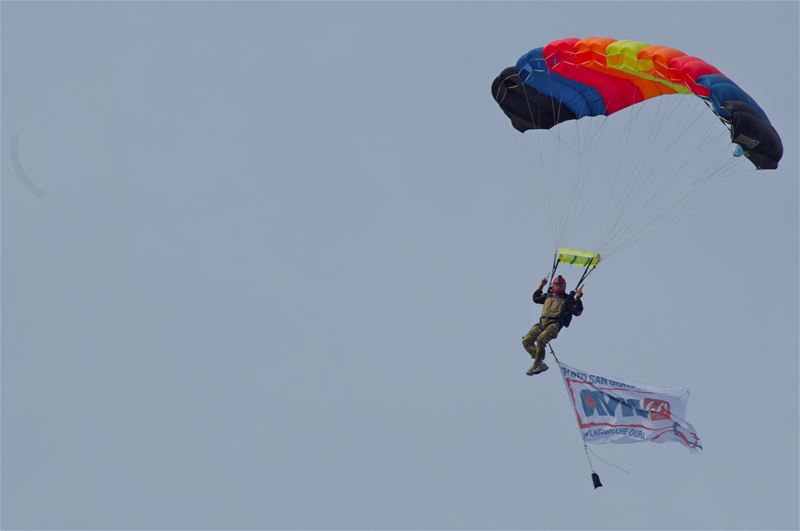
{"x": 267, "y": 265}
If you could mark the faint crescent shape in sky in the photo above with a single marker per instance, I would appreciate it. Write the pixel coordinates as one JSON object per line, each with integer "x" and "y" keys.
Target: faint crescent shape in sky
{"x": 16, "y": 163}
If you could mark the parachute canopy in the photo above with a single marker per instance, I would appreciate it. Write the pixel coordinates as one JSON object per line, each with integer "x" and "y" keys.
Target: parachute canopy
{"x": 569, "y": 79}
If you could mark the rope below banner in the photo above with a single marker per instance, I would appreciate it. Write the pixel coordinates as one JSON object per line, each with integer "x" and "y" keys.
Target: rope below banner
{"x": 595, "y": 476}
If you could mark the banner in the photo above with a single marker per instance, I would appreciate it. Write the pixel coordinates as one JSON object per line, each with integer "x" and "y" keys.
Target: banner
{"x": 610, "y": 410}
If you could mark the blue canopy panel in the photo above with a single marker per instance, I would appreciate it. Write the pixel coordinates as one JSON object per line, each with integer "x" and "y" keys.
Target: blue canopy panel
{"x": 724, "y": 90}
{"x": 581, "y": 99}
{"x": 749, "y": 125}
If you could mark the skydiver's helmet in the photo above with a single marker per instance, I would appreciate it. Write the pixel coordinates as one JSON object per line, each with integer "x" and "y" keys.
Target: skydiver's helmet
{"x": 559, "y": 285}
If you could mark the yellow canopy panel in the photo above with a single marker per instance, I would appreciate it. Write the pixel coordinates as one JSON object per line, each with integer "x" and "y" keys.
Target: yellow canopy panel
{"x": 578, "y": 257}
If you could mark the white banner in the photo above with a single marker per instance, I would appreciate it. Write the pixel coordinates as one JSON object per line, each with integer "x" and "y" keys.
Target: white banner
{"x": 610, "y": 410}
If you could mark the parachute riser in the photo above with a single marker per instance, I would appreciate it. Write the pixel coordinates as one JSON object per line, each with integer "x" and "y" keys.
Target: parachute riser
{"x": 555, "y": 266}
{"x": 586, "y": 272}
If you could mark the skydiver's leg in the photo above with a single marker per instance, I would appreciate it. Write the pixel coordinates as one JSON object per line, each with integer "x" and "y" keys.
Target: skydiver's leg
{"x": 529, "y": 342}
{"x": 549, "y": 333}
{"x": 529, "y": 339}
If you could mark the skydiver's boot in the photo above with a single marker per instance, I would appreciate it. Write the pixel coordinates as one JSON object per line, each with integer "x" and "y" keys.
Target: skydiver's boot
{"x": 531, "y": 350}
{"x": 540, "y": 369}
{"x": 538, "y": 362}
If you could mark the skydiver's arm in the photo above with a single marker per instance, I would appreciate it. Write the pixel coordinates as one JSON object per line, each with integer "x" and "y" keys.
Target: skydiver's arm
{"x": 538, "y": 296}
{"x": 576, "y": 306}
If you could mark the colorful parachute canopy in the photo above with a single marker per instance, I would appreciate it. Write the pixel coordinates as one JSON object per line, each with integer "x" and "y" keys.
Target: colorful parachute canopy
{"x": 577, "y": 257}
{"x": 572, "y": 78}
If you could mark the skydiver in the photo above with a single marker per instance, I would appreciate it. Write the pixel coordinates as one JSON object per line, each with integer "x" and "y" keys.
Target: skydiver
{"x": 557, "y": 311}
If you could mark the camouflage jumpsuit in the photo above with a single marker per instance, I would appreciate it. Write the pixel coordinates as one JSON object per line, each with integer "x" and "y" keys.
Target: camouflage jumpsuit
{"x": 557, "y": 312}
